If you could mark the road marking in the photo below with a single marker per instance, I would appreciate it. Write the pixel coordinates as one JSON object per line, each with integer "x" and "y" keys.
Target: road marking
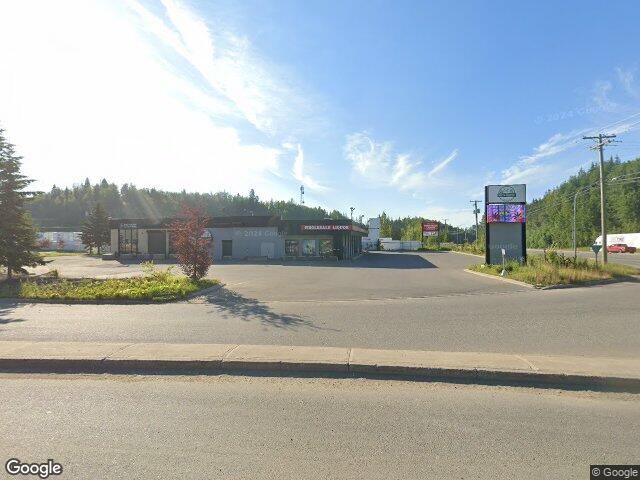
{"x": 531, "y": 365}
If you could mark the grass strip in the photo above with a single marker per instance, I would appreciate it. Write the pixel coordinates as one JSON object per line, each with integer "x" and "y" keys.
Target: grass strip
{"x": 556, "y": 269}
{"x": 165, "y": 288}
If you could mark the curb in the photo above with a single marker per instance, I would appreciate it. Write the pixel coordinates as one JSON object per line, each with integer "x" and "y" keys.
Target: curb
{"x": 467, "y": 253}
{"x": 123, "y": 301}
{"x": 564, "y": 372}
{"x": 591, "y": 283}
{"x": 503, "y": 279}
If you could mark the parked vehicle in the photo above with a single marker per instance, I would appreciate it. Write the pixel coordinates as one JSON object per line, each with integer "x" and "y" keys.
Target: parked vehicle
{"x": 620, "y": 248}
{"x": 630, "y": 239}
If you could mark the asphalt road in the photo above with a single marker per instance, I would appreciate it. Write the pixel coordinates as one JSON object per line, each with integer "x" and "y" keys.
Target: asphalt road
{"x": 440, "y": 308}
{"x": 243, "y": 427}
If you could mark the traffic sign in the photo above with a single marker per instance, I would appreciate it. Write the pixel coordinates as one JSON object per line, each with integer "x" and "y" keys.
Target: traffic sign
{"x": 596, "y": 248}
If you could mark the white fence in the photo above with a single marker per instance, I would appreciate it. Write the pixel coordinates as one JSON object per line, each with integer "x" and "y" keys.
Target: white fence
{"x": 395, "y": 245}
{"x": 68, "y": 241}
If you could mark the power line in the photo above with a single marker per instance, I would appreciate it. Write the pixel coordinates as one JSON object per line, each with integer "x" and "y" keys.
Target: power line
{"x": 621, "y": 179}
{"x": 602, "y": 140}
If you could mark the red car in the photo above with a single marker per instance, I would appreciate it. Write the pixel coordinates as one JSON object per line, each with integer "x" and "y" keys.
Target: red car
{"x": 620, "y": 248}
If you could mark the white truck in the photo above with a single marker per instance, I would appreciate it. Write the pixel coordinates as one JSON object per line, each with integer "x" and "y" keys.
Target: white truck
{"x": 631, "y": 239}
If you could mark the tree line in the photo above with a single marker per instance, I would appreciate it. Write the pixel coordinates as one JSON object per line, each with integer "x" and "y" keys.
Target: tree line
{"x": 410, "y": 228}
{"x": 69, "y": 207}
{"x": 550, "y": 218}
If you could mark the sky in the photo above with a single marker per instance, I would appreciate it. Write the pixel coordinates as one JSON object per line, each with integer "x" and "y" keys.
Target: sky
{"x": 407, "y": 107}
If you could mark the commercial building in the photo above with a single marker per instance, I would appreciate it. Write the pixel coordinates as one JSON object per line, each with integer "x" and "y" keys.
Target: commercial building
{"x": 245, "y": 237}
{"x": 370, "y": 242}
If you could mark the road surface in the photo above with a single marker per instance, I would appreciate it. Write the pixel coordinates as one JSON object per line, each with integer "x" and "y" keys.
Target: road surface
{"x": 244, "y": 427}
{"x": 386, "y": 306}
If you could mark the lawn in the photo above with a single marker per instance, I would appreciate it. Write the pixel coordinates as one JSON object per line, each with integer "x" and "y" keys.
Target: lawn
{"x": 160, "y": 288}
{"x": 557, "y": 269}
{"x": 473, "y": 248}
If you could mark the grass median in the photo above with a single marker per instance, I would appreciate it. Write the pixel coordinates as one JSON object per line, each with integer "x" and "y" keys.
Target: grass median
{"x": 554, "y": 268}
{"x": 156, "y": 286}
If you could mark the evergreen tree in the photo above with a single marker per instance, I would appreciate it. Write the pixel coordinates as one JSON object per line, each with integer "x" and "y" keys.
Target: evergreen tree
{"x": 95, "y": 230}
{"x": 17, "y": 234}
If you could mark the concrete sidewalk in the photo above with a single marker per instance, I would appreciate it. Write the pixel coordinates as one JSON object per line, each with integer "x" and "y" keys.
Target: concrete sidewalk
{"x": 600, "y": 373}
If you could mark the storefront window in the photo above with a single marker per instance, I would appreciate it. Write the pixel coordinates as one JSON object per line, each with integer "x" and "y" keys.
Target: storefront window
{"x": 326, "y": 247}
{"x": 309, "y": 248}
{"x": 128, "y": 240}
{"x": 291, "y": 248}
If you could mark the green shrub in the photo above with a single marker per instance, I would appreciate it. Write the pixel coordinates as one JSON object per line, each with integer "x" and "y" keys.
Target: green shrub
{"x": 160, "y": 287}
{"x": 474, "y": 248}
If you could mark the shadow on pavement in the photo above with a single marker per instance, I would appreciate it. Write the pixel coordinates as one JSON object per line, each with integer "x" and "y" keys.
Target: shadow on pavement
{"x": 6, "y": 307}
{"x": 233, "y": 305}
{"x": 400, "y": 261}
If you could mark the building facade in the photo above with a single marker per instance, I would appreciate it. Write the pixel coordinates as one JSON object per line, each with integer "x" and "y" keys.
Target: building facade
{"x": 245, "y": 237}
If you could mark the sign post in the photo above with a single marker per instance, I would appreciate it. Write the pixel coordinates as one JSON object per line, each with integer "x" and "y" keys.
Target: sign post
{"x": 596, "y": 249}
{"x": 429, "y": 229}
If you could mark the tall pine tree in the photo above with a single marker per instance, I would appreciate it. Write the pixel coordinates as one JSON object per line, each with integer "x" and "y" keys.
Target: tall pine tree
{"x": 17, "y": 234}
{"x": 95, "y": 230}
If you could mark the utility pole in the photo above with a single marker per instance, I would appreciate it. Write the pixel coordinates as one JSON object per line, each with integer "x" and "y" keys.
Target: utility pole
{"x": 575, "y": 245}
{"x": 445, "y": 230}
{"x": 602, "y": 141}
{"x": 476, "y": 212}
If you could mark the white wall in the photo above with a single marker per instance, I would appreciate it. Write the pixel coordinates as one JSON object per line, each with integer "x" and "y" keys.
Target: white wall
{"x": 392, "y": 245}
{"x": 71, "y": 240}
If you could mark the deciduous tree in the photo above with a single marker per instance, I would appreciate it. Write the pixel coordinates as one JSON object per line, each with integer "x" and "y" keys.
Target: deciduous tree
{"x": 189, "y": 241}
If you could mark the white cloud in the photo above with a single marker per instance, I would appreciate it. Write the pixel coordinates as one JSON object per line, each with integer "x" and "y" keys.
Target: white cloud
{"x": 627, "y": 79}
{"x": 298, "y": 170}
{"x": 441, "y": 166}
{"x": 230, "y": 67}
{"x": 527, "y": 169}
{"x": 99, "y": 98}
{"x": 376, "y": 164}
{"x": 600, "y": 96}
{"x": 370, "y": 160}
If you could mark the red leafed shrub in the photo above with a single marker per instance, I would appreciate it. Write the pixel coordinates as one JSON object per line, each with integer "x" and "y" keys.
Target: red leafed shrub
{"x": 187, "y": 237}
{"x": 44, "y": 243}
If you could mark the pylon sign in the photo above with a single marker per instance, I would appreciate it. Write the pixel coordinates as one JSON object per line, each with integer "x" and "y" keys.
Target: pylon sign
{"x": 505, "y": 223}
{"x": 430, "y": 229}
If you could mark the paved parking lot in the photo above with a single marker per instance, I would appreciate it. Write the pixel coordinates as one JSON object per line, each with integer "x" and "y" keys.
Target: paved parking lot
{"x": 377, "y": 275}
{"x": 386, "y": 300}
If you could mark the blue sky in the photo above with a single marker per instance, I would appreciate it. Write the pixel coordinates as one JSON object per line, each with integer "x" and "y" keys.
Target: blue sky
{"x": 407, "y": 107}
